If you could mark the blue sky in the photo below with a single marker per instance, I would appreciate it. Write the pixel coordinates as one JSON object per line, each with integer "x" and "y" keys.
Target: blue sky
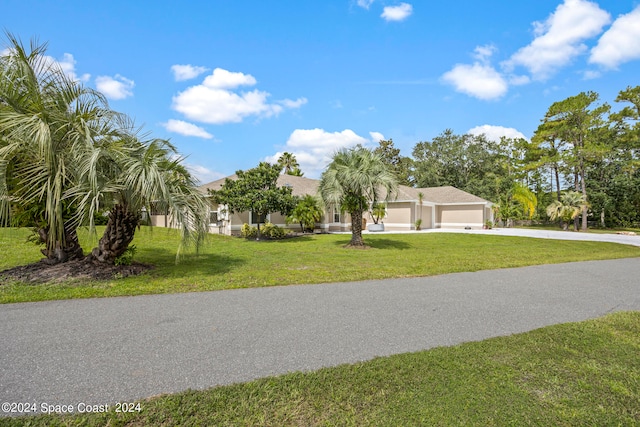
{"x": 232, "y": 83}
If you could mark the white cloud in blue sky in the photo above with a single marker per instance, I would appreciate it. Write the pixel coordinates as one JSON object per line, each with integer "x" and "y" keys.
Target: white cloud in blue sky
{"x": 365, "y": 4}
{"x": 558, "y": 41}
{"x": 376, "y": 137}
{"x": 215, "y": 102}
{"x": 187, "y": 129}
{"x": 397, "y": 13}
{"x": 187, "y": 72}
{"x": 495, "y": 133}
{"x": 620, "y": 44}
{"x": 117, "y": 87}
{"x": 270, "y": 78}
{"x": 313, "y": 148}
{"x": 480, "y": 80}
{"x": 560, "y": 38}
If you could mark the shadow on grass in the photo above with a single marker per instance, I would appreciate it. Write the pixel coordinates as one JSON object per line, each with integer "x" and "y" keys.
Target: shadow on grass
{"x": 288, "y": 240}
{"x": 388, "y": 244}
{"x": 376, "y": 243}
{"x": 164, "y": 261}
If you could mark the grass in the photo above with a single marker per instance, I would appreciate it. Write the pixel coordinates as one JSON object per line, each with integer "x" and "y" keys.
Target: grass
{"x": 575, "y": 374}
{"x": 228, "y": 262}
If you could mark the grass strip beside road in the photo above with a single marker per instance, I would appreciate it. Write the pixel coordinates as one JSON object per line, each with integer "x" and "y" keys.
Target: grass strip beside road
{"x": 229, "y": 262}
{"x": 574, "y": 374}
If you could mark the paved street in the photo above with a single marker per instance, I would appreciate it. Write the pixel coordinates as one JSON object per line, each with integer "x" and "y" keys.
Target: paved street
{"x": 118, "y": 349}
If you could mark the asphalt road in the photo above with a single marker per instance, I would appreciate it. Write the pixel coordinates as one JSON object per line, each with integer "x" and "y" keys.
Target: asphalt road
{"x": 109, "y": 350}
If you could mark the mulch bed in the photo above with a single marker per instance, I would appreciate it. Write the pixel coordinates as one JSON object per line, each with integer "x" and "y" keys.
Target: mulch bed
{"x": 41, "y": 272}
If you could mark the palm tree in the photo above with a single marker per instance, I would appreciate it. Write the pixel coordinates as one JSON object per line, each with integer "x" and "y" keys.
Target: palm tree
{"x": 419, "y": 220}
{"x": 307, "y": 212}
{"x": 137, "y": 174}
{"x": 353, "y": 180}
{"x": 289, "y": 164}
{"x": 45, "y": 119}
{"x": 528, "y": 200}
{"x": 567, "y": 208}
{"x": 64, "y": 155}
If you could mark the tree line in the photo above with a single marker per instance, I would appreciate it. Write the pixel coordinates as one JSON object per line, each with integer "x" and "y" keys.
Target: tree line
{"x": 580, "y": 146}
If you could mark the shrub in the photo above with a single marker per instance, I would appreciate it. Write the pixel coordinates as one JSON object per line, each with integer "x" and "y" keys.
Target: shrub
{"x": 271, "y": 231}
{"x": 127, "y": 257}
{"x": 248, "y": 232}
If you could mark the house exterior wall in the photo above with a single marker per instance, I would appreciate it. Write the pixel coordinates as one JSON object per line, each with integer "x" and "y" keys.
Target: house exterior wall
{"x": 424, "y": 212}
{"x": 400, "y": 216}
{"x": 459, "y": 216}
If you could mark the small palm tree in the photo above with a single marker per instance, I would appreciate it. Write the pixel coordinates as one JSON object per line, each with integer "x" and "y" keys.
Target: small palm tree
{"x": 46, "y": 119}
{"x": 136, "y": 175}
{"x": 355, "y": 178}
{"x": 526, "y": 198}
{"x": 64, "y": 155}
{"x": 378, "y": 211}
{"x": 307, "y": 212}
{"x": 419, "y": 220}
{"x": 289, "y": 164}
{"x": 569, "y": 206}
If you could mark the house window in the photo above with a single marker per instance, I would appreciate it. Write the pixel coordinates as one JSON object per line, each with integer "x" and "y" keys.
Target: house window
{"x": 257, "y": 218}
{"x": 213, "y": 217}
{"x": 336, "y": 215}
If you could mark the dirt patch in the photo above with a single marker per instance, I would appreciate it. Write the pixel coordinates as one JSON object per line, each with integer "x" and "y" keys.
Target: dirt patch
{"x": 40, "y": 272}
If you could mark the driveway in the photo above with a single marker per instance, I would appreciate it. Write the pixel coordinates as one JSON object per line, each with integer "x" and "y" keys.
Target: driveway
{"x": 525, "y": 232}
{"x": 98, "y": 351}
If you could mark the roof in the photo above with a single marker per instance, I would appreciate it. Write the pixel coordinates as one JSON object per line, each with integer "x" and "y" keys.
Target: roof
{"x": 302, "y": 186}
{"x": 438, "y": 195}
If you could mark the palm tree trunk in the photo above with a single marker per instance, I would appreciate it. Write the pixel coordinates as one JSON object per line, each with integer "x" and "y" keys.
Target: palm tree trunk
{"x": 65, "y": 251}
{"x": 117, "y": 236}
{"x": 356, "y": 228}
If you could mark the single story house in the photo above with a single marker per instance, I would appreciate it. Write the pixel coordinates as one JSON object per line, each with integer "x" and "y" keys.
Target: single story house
{"x": 438, "y": 207}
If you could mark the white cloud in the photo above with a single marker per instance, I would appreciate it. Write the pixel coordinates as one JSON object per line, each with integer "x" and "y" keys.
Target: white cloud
{"x": 293, "y": 104}
{"x": 314, "y": 148}
{"x": 214, "y": 102}
{"x": 519, "y": 80}
{"x": 203, "y": 174}
{"x": 223, "y": 79}
{"x": 186, "y": 72}
{"x": 186, "y": 129}
{"x": 377, "y": 137}
{"x": 364, "y": 3}
{"x": 591, "y": 74}
{"x": 494, "y": 133}
{"x": 483, "y": 53}
{"x": 478, "y": 80}
{"x": 560, "y": 38}
{"x": 397, "y": 13}
{"x": 68, "y": 65}
{"x": 117, "y": 87}
{"x": 620, "y": 43}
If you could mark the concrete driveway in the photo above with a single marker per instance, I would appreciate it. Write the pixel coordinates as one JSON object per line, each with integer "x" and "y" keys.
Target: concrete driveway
{"x": 538, "y": 234}
{"x": 102, "y": 351}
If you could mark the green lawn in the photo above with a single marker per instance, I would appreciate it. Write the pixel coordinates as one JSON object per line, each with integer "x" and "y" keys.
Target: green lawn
{"x": 229, "y": 262}
{"x": 576, "y": 374}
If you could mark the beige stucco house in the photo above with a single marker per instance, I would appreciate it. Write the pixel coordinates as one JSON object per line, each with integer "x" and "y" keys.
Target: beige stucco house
{"x": 440, "y": 207}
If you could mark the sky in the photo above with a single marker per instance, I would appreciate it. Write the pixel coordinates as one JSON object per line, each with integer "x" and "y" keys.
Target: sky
{"x": 232, "y": 83}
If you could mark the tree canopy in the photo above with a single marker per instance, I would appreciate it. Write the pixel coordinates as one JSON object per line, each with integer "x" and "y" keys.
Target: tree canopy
{"x": 356, "y": 178}
{"x": 256, "y": 190}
